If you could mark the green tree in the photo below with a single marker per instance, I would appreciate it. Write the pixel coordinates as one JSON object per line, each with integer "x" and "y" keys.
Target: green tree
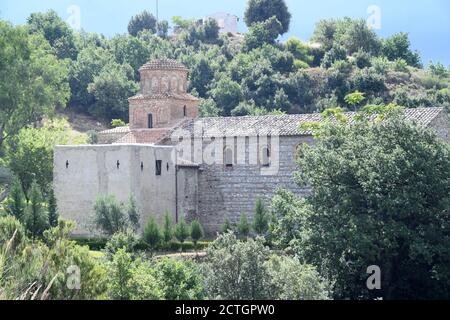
{"x": 197, "y": 232}
{"x": 211, "y": 31}
{"x": 121, "y": 275}
{"x": 111, "y": 89}
{"x": 16, "y": 204}
{"x": 12, "y": 233}
{"x": 33, "y": 82}
{"x": 162, "y": 29}
{"x": 181, "y": 232}
{"x": 398, "y": 47}
{"x": 261, "y": 33}
{"x": 201, "y": 76}
{"x": 90, "y": 61}
{"x": 262, "y": 10}
{"x": 354, "y": 99}
{"x": 351, "y": 34}
{"x": 6, "y": 181}
{"x": 167, "y": 229}
{"x": 299, "y": 49}
{"x": 152, "y": 235}
{"x": 391, "y": 178}
{"x": 132, "y": 51}
{"x": 126, "y": 240}
{"x": 235, "y": 270}
{"x": 244, "y": 226}
{"x": 226, "y": 226}
{"x": 142, "y": 21}
{"x": 57, "y": 32}
{"x": 179, "y": 280}
{"x": 36, "y": 217}
{"x": 261, "y": 219}
{"x": 29, "y": 154}
{"x": 110, "y": 216}
{"x": 227, "y": 94}
{"x": 292, "y": 280}
{"x": 52, "y": 208}
{"x": 134, "y": 216}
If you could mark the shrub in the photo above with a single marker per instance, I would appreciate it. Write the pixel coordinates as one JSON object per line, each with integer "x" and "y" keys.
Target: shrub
{"x": 261, "y": 219}
{"x": 36, "y": 219}
{"x": 152, "y": 235}
{"x": 11, "y": 229}
{"x": 15, "y": 205}
{"x": 292, "y": 280}
{"x": 122, "y": 240}
{"x": 167, "y": 229}
{"x": 109, "y": 215}
{"x": 226, "y": 226}
{"x": 235, "y": 270}
{"x": 244, "y": 226}
{"x": 196, "y": 232}
{"x": 179, "y": 280}
{"x": 181, "y": 231}
{"x": 115, "y": 123}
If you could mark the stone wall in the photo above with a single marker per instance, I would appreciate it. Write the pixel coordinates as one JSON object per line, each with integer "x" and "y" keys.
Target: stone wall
{"x": 81, "y": 173}
{"x": 226, "y": 192}
{"x": 442, "y": 125}
{"x": 165, "y": 112}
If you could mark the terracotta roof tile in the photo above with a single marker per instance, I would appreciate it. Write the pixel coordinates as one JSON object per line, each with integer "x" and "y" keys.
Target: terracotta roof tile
{"x": 148, "y": 136}
{"x": 163, "y": 64}
{"x": 167, "y": 95}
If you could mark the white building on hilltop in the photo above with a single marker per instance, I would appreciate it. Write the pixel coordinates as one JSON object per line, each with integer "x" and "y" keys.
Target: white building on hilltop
{"x": 227, "y": 22}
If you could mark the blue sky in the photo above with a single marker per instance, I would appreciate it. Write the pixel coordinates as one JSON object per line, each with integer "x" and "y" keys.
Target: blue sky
{"x": 427, "y": 22}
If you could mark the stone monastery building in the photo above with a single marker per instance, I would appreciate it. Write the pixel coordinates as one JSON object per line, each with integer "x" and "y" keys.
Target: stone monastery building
{"x": 170, "y": 160}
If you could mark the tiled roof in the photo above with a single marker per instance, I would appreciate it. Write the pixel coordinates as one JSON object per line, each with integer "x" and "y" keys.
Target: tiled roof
{"x": 163, "y": 64}
{"x": 116, "y": 130}
{"x": 284, "y": 125}
{"x": 146, "y": 136}
{"x": 167, "y": 95}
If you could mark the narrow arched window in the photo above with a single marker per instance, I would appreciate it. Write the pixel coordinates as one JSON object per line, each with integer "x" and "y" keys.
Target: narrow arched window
{"x": 265, "y": 156}
{"x": 150, "y": 121}
{"x": 184, "y": 111}
{"x": 228, "y": 157}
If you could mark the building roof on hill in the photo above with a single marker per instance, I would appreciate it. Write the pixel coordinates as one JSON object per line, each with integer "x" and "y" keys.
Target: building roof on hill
{"x": 163, "y": 64}
{"x": 283, "y": 125}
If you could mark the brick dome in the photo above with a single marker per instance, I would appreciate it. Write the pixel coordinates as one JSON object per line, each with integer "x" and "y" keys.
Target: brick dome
{"x": 163, "y": 64}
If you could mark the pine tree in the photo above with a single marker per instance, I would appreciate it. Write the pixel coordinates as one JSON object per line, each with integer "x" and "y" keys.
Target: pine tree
{"x": 16, "y": 204}
{"x": 196, "y": 232}
{"x": 226, "y": 227}
{"x": 167, "y": 230}
{"x": 181, "y": 232}
{"x": 244, "y": 226}
{"x": 36, "y": 217}
{"x": 52, "y": 209}
{"x": 133, "y": 214}
{"x": 261, "y": 219}
{"x": 152, "y": 234}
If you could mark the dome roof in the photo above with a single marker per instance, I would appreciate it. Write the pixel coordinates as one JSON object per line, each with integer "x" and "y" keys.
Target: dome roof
{"x": 163, "y": 64}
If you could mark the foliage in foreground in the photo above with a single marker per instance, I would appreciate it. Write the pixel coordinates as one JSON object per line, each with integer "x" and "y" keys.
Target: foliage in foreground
{"x": 381, "y": 197}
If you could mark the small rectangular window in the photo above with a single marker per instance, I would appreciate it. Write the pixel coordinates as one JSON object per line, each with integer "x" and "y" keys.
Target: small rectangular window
{"x": 158, "y": 167}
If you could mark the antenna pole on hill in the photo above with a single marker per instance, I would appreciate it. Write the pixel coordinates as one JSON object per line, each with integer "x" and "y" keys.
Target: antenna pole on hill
{"x": 157, "y": 16}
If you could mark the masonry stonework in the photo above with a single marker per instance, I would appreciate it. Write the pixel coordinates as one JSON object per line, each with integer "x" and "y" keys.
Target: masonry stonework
{"x": 211, "y": 168}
